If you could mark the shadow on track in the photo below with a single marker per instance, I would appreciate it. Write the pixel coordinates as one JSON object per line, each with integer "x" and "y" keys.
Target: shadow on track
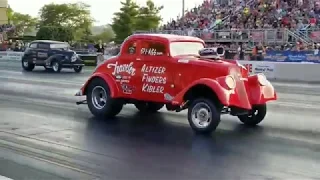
{"x": 48, "y": 71}
{"x": 154, "y": 129}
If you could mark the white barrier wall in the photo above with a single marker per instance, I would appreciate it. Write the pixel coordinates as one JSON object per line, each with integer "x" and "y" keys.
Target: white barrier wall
{"x": 285, "y": 71}
{"x": 10, "y": 56}
{"x": 273, "y": 70}
{"x": 16, "y": 56}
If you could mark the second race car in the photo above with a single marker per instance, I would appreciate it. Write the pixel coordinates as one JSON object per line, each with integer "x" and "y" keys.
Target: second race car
{"x": 52, "y": 55}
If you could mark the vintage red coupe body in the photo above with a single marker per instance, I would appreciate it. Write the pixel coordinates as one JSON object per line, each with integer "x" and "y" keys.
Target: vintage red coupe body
{"x": 156, "y": 70}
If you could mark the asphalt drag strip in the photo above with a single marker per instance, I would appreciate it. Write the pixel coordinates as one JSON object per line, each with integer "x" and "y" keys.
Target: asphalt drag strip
{"x": 44, "y": 135}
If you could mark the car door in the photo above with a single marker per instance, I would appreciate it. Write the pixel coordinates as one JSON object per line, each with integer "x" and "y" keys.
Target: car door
{"x": 154, "y": 79}
{"x": 125, "y": 69}
{"x": 42, "y": 52}
{"x": 31, "y": 52}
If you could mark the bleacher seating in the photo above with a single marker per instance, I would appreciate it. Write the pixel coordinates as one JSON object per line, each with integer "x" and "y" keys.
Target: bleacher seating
{"x": 276, "y": 21}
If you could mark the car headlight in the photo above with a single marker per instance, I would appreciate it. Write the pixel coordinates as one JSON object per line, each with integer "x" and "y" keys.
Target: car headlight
{"x": 230, "y": 82}
{"x": 262, "y": 79}
{"x": 74, "y": 58}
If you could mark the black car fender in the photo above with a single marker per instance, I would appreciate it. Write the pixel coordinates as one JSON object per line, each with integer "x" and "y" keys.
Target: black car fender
{"x": 57, "y": 57}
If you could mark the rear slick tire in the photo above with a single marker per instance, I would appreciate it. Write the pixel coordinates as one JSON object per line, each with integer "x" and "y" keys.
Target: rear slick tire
{"x": 255, "y": 116}
{"x": 100, "y": 102}
{"x": 26, "y": 65}
{"x": 203, "y": 116}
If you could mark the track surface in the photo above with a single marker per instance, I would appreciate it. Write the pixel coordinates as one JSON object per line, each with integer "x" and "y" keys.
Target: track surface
{"x": 44, "y": 135}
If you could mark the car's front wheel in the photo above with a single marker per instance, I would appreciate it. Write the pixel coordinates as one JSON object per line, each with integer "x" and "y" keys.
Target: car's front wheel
{"x": 26, "y": 65}
{"x": 99, "y": 100}
{"x": 203, "y": 116}
{"x": 255, "y": 116}
{"x": 77, "y": 69}
{"x": 56, "y": 66}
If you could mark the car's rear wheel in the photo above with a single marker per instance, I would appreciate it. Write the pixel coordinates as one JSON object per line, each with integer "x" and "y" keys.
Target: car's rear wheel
{"x": 26, "y": 65}
{"x": 255, "y": 116}
{"x": 148, "y": 106}
{"x": 203, "y": 116}
{"x": 99, "y": 100}
{"x": 56, "y": 66}
{"x": 77, "y": 69}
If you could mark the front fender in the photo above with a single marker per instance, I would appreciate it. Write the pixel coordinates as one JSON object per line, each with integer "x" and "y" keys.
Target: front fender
{"x": 54, "y": 57}
{"x": 114, "y": 90}
{"x": 260, "y": 94}
{"x": 222, "y": 93}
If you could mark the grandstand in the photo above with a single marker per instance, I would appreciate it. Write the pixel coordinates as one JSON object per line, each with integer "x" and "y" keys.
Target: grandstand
{"x": 271, "y": 22}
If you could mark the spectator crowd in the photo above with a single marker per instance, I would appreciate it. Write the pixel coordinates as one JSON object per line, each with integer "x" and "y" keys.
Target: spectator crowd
{"x": 6, "y": 28}
{"x": 8, "y": 45}
{"x": 249, "y": 14}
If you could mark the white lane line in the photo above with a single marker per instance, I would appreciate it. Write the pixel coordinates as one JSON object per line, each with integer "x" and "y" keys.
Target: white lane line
{"x": 44, "y": 80}
{"x": 296, "y": 85}
{"x": 4, "y": 178}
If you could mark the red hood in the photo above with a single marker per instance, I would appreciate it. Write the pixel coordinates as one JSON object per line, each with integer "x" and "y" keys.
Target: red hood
{"x": 223, "y": 64}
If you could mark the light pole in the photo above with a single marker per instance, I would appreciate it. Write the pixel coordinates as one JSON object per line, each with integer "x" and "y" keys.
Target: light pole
{"x": 183, "y": 8}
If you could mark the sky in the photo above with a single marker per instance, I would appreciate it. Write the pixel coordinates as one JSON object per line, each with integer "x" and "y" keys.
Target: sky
{"x": 102, "y": 10}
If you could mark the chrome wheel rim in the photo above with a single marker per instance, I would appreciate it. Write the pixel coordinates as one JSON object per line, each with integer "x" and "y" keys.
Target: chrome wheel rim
{"x": 253, "y": 114}
{"x": 99, "y": 97}
{"x": 201, "y": 115}
{"x": 55, "y": 66}
{"x": 25, "y": 63}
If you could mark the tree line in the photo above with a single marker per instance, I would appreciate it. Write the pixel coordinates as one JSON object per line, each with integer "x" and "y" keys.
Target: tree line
{"x": 72, "y": 22}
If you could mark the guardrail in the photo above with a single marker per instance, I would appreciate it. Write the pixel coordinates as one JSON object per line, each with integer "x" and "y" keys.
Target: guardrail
{"x": 285, "y": 71}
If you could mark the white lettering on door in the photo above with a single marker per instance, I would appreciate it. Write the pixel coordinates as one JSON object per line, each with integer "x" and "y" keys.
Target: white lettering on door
{"x": 153, "y": 69}
{"x": 152, "y": 89}
{"x": 119, "y": 68}
{"x": 153, "y": 79}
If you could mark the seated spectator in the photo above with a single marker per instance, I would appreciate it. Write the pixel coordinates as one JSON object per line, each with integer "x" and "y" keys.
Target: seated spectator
{"x": 246, "y": 14}
{"x": 6, "y": 27}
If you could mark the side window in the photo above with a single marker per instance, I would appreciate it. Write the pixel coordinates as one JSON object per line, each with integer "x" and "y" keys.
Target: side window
{"x": 33, "y": 45}
{"x": 43, "y": 46}
{"x": 149, "y": 48}
{"x": 132, "y": 47}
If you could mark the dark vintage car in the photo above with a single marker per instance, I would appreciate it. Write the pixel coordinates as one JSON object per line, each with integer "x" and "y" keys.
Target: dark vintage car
{"x": 52, "y": 55}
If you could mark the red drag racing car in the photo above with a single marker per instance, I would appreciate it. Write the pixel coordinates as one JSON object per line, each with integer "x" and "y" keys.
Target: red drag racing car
{"x": 157, "y": 70}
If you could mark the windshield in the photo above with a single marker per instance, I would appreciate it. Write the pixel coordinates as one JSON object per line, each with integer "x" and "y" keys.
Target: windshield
{"x": 185, "y": 48}
{"x": 63, "y": 46}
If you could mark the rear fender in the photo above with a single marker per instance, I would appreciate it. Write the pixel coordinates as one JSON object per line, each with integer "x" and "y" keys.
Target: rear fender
{"x": 216, "y": 86}
{"x": 114, "y": 90}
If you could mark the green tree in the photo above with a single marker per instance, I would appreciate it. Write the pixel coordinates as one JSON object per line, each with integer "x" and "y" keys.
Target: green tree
{"x": 75, "y": 16}
{"x": 124, "y": 21}
{"x": 9, "y": 13}
{"x": 149, "y": 17}
{"x": 132, "y": 17}
{"x": 106, "y": 35}
{"x": 23, "y": 23}
{"x": 57, "y": 33}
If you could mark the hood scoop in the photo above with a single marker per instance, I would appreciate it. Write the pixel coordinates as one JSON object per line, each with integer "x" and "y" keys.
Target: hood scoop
{"x": 211, "y": 53}
{"x": 212, "y": 57}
